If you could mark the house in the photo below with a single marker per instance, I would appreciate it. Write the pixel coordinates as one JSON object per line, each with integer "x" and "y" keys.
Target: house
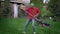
{"x": 14, "y": 4}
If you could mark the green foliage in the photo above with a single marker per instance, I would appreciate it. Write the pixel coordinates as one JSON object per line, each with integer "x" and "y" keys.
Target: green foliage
{"x": 37, "y": 3}
{"x": 54, "y": 7}
{"x": 45, "y": 12}
{"x": 5, "y": 8}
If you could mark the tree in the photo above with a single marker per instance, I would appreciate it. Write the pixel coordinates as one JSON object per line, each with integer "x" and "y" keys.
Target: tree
{"x": 54, "y": 7}
{"x": 6, "y": 8}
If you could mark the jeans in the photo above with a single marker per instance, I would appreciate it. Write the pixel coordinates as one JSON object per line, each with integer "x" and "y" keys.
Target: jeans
{"x": 28, "y": 22}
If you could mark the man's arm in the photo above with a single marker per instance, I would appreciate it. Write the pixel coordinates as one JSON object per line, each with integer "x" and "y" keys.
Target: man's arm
{"x": 38, "y": 12}
{"x": 29, "y": 13}
{"x": 26, "y": 11}
{"x": 36, "y": 15}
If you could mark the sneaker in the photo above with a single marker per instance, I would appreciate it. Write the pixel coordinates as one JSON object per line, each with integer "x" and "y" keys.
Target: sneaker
{"x": 24, "y": 32}
{"x": 34, "y": 32}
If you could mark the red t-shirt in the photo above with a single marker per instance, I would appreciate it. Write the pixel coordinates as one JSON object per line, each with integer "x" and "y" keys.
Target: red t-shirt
{"x": 33, "y": 11}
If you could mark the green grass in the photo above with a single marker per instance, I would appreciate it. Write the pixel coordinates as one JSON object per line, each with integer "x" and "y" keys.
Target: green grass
{"x": 16, "y": 26}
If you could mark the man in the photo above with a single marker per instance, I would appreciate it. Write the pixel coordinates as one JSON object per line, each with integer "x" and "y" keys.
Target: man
{"x": 32, "y": 13}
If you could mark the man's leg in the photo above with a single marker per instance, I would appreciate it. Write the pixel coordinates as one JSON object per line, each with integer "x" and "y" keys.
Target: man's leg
{"x": 27, "y": 23}
{"x": 33, "y": 26}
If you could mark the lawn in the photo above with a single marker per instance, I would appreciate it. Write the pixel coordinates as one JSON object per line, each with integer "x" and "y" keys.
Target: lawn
{"x": 16, "y": 26}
